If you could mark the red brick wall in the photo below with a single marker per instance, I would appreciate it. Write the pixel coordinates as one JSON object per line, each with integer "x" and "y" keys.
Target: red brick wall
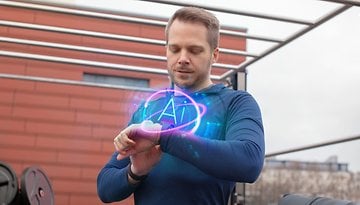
{"x": 66, "y": 129}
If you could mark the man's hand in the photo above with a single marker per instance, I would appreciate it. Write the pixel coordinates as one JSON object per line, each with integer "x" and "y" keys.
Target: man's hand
{"x": 143, "y": 162}
{"x": 137, "y": 138}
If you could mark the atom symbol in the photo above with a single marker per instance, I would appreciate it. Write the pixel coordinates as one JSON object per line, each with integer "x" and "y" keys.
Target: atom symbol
{"x": 200, "y": 110}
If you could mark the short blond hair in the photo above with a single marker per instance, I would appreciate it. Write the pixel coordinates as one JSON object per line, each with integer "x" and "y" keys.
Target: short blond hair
{"x": 197, "y": 15}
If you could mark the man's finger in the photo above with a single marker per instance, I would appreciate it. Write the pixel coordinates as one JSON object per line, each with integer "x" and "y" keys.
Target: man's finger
{"x": 124, "y": 154}
{"x": 123, "y": 142}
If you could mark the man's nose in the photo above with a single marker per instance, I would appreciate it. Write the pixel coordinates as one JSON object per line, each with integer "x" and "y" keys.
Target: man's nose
{"x": 184, "y": 58}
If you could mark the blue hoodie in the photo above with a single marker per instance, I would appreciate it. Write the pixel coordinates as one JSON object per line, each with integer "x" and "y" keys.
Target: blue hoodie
{"x": 198, "y": 167}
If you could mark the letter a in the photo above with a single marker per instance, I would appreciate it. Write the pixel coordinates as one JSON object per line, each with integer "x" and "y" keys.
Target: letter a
{"x": 173, "y": 109}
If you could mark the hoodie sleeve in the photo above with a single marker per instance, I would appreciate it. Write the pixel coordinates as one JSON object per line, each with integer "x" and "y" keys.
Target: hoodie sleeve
{"x": 112, "y": 182}
{"x": 239, "y": 157}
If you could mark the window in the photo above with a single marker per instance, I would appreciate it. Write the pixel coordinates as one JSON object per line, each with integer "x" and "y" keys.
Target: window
{"x": 116, "y": 80}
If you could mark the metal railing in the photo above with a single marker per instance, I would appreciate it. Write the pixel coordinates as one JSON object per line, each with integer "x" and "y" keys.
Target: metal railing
{"x": 308, "y": 27}
{"x": 103, "y": 51}
{"x": 250, "y": 57}
{"x": 312, "y": 146}
{"x": 106, "y": 36}
{"x": 72, "y": 82}
{"x": 144, "y": 20}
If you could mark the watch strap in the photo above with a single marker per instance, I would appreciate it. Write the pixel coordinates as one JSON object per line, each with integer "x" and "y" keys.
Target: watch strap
{"x": 135, "y": 176}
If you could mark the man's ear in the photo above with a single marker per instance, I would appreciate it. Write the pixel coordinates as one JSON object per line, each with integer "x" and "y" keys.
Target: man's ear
{"x": 215, "y": 54}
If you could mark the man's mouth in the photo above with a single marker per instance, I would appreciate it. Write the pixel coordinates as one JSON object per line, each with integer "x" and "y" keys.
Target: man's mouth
{"x": 183, "y": 70}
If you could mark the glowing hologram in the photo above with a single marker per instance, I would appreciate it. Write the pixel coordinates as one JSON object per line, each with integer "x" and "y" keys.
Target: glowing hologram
{"x": 173, "y": 110}
{"x": 197, "y": 119}
{"x": 200, "y": 110}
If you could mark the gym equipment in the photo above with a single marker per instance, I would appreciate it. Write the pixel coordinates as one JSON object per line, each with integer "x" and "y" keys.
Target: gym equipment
{"x": 295, "y": 199}
{"x": 35, "y": 187}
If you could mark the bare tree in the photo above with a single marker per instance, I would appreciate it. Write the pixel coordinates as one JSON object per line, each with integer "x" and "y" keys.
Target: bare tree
{"x": 274, "y": 183}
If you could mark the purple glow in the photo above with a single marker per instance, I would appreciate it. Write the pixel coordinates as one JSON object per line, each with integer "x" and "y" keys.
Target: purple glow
{"x": 197, "y": 120}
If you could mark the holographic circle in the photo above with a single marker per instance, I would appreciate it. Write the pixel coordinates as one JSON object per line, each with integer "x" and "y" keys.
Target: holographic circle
{"x": 197, "y": 107}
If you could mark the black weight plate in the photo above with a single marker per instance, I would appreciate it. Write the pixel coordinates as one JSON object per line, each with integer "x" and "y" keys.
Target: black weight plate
{"x": 35, "y": 187}
{"x": 8, "y": 184}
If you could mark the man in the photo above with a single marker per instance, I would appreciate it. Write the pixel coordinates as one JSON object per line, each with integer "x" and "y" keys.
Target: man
{"x": 195, "y": 164}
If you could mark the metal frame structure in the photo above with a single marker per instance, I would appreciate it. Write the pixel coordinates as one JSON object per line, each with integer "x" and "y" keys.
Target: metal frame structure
{"x": 232, "y": 70}
{"x": 240, "y": 69}
{"x": 313, "y": 146}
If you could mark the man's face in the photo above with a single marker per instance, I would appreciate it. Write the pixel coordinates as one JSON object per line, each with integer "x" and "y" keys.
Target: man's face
{"x": 189, "y": 56}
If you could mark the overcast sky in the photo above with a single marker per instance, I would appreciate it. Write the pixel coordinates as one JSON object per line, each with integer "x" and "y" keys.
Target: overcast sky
{"x": 309, "y": 90}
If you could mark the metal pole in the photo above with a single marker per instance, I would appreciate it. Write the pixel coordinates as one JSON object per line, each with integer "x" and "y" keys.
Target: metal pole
{"x": 89, "y": 63}
{"x": 231, "y": 11}
{"x": 140, "y": 20}
{"x": 349, "y": 2}
{"x": 306, "y": 147}
{"x": 73, "y": 82}
{"x": 332, "y": 14}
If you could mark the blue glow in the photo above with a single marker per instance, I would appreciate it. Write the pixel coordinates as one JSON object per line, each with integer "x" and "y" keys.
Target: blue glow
{"x": 173, "y": 110}
{"x": 168, "y": 114}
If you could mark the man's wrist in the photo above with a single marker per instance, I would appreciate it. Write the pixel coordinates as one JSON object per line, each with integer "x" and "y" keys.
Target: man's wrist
{"x": 134, "y": 176}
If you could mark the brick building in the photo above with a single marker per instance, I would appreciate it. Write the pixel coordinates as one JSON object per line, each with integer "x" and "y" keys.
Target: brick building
{"x": 330, "y": 179}
{"x": 57, "y": 108}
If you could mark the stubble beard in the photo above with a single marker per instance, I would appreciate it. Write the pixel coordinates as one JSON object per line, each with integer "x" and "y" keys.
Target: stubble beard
{"x": 183, "y": 81}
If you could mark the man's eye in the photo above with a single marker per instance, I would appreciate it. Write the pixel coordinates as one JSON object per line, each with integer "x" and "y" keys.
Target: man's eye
{"x": 196, "y": 50}
{"x": 174, "y": 50}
